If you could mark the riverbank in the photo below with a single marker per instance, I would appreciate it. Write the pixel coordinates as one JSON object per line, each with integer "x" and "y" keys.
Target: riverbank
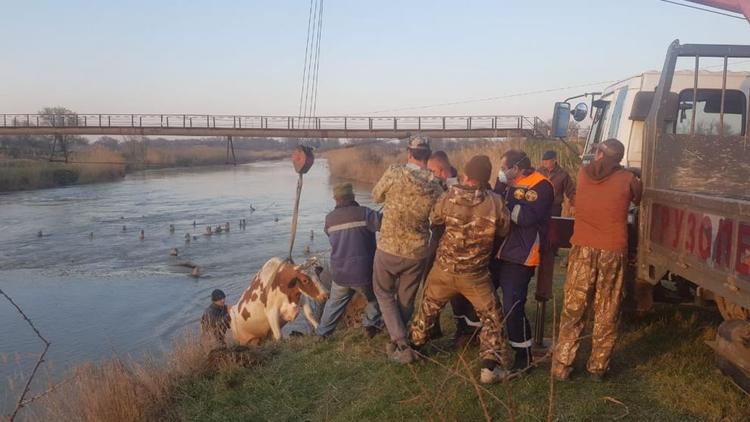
{"x": 367, "y": 163}
{"x": 661, "y": 370}
{"x": 99, "y": 164}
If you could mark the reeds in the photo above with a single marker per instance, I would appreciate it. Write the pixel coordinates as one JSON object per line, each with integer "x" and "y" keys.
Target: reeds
{"x": 126, "y": 389}
{"x": 367, "y": 164}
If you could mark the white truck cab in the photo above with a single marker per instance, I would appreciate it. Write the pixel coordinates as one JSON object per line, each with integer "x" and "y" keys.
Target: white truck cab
{"x": 621, "y": 110}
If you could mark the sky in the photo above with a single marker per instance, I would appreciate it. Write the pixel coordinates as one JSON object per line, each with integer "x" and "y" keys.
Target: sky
{"x": 377, "y": 58}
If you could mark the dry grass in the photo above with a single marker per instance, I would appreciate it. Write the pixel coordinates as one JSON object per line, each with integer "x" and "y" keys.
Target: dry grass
{"x": 661, "y": 370}
{"x": 125, "y": 389}
{"x": 112, "y": 167}
{"x": 366, "y": 164}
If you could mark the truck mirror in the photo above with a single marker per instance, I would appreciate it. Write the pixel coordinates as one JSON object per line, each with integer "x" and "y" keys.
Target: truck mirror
{"x": 580, "y": 112}
{"x": 560, "y": 118}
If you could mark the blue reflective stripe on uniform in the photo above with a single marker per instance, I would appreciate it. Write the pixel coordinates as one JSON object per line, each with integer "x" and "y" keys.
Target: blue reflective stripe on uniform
{"x": 353, "y": 224}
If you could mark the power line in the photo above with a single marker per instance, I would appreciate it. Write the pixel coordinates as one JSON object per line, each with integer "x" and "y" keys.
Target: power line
{"x": 702, "y": 9}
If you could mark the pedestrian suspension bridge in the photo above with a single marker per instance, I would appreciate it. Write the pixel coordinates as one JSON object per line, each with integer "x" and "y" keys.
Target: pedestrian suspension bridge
{"x": 230, "y": 126}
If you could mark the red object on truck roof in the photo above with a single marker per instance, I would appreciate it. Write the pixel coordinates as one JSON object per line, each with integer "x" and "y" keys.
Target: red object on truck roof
{"x": 737, "y": 6}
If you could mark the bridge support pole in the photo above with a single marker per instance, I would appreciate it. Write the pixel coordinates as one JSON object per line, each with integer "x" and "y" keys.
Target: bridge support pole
{"x": 230, "y": 148}
{"x": 58, "y": 141}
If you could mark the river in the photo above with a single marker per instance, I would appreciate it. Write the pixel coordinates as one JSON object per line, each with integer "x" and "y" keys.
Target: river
{"x": 110, "y": 293}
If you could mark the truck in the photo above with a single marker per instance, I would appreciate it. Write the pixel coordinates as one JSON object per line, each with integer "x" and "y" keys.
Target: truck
{"x": 686, "y": 132}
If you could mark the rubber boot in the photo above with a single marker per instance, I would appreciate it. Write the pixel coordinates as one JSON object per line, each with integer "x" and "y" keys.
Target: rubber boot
{"x": 523, "y": 360}
{"x": 435, "y": 332}
{"x": 464, "y": 334}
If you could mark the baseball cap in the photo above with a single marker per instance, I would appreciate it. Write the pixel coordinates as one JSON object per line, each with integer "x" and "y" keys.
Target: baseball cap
{"x": 549, "y": 155}
{"x": 418, "y": 142}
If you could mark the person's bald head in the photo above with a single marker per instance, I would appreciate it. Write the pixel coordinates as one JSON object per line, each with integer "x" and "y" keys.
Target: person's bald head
{"x": 439, "y": 165}
{"x": 612, "y": 149}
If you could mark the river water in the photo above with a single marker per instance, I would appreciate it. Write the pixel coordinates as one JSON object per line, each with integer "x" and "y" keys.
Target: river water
{"x": 112, "y": 293}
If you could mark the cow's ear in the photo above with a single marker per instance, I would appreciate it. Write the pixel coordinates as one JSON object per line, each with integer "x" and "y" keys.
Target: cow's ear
{"x": 318, "y": 270}
{"x": 293, "y": 282}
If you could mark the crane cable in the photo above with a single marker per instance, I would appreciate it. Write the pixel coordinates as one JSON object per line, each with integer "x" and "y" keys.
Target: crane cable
{"x": 304, "y": 68}
{"x": 317, "y": 62}
{"x": 310, "y": 71}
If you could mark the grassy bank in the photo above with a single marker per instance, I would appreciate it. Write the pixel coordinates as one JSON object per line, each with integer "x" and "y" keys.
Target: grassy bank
{"x": 100, "y": 164}
{"x": 367, "y": 163}
{"x": 662, "y": 370}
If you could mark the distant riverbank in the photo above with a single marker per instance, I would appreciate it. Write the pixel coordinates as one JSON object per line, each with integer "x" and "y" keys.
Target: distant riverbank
{"x": 99, "y": 164}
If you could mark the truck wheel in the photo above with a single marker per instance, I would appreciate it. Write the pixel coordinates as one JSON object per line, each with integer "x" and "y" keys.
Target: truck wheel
{"x": 732, "y": 344}
{"x": 730, "y": 310}
{"x": 732, "y": 350}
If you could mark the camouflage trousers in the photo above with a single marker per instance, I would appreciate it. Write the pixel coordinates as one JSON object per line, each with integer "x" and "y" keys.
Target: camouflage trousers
{"x": 593, "y": 275}
{"x": 440, "y": 287}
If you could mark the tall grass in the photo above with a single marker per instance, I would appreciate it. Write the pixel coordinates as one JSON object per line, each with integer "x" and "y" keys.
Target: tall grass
{"x": 125, "y": 389}
{"x": 107, "y": 165}
{"x": 367, "y": 164}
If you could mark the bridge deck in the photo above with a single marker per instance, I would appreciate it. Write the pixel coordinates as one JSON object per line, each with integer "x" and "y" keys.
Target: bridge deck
{"x": 271, "y": 126}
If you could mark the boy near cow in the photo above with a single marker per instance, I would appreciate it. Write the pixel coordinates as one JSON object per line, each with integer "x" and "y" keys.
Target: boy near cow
{"x": 474, "y": 219}
{"x": 215, "y": 321}
{"x": 409, "y": 192}
{"x": 351, "y": 230}
{"x": 597, "y": 260}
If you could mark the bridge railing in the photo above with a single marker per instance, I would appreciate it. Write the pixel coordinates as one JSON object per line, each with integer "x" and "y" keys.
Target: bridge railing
{"x": 209, "y": 121}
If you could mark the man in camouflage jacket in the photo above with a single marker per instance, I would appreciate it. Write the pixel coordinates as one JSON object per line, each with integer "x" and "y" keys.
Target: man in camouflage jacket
{"x": 474, "y": 218}
{"x": 409, "y": 192}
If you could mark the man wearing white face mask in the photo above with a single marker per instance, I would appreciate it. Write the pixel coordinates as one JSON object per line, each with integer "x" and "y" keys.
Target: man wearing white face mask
{"x": 529, "y": 197}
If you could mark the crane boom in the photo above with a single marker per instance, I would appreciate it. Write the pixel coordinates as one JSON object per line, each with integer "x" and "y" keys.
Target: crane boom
{"x": 736, "y": 6}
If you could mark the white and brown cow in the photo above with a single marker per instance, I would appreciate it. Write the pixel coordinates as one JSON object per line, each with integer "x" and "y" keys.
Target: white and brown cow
{"x": 273, "y": 299}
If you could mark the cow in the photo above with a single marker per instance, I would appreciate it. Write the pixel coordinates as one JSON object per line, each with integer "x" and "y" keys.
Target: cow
{"x": 273, "y": 299}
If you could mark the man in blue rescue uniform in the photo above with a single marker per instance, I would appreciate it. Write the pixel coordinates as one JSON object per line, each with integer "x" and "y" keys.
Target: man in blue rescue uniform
{"x": 529, "y": 197}
{"x": 351, "y": 230}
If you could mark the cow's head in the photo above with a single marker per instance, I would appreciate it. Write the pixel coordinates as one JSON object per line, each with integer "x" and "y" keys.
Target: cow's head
{"x": 296, "y": 280}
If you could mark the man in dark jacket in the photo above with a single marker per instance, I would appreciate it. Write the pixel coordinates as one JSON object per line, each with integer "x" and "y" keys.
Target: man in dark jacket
{"x": 215, "y": 321}
{"x": 561, "y": 181}
{"x": 351, "y": 230}
{"x": 529, "y": 197}
{"x": 564, "y": 188}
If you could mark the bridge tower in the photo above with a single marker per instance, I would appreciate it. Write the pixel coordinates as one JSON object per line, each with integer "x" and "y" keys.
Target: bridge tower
{"x": 59, "y": 146}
